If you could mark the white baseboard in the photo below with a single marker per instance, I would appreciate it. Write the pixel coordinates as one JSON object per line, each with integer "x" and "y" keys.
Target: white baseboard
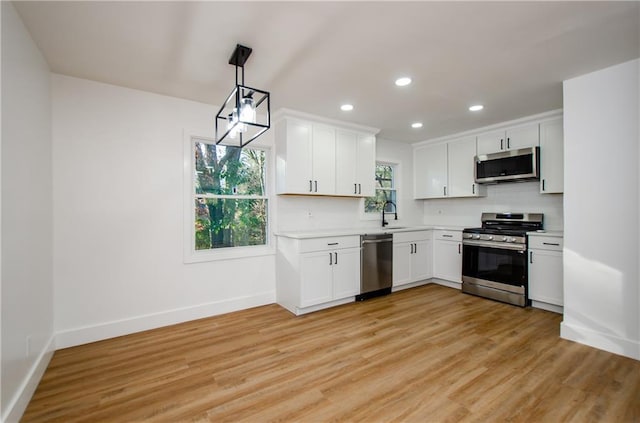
{"x": 603, "y": 341}
{"x": 87, "y": 334}
{"x": 410, "y": 285}
{"x": 454, "y": 285}
{"x": 18, "y": 404}
{"x": 546, "y": 306}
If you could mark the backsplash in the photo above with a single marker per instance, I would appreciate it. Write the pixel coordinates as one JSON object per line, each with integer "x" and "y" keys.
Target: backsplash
{"x": 508, "y": 197}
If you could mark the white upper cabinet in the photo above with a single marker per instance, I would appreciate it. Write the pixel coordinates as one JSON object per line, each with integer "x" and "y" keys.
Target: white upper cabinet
{"x": 461, "y": 161}
{"x": 430, "y": 171}
{"x": 510, "y": 139}
{"x": 315, "y": 158}
{"x": 355, "y": 164}
{"x": 323, "y": 159}
{"x": 446, "y": 170}
{"x": 551, "y": 157}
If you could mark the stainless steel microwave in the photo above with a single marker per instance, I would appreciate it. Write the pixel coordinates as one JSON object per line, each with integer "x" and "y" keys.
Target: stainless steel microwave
{"x": 508, "y": 166}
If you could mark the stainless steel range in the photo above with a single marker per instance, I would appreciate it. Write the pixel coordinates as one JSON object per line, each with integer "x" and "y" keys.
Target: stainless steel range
{"x": 494, "y": 257}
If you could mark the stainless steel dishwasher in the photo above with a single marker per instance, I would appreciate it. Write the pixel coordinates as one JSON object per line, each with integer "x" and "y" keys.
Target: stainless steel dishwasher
{"x": 376, "y": 265}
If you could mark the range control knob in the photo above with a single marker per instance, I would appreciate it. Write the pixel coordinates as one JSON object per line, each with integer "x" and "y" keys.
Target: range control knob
{"x": 476, "y": 236}
{"x": 511, "y": 239}
{"x": 490, "y": 237}
{"x": 504, "y": 239}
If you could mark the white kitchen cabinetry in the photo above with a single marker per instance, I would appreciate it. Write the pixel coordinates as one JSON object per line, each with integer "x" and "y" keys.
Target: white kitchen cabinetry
{"x": 446, "y": 170}
{"x": 412, "y": 257}
{"x": 430, "y": 170}
{"x": 545, "y": 272}
{"x": 447, "y": 255}
{"x": 551, "y": 157}
{"x": 315, "y": 158}
{"x": 509, "y": 139}
{"x": 317, "y": 273}
{"x": 355, "y": 164}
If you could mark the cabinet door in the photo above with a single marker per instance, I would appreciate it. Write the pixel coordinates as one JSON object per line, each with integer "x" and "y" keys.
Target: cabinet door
{"x": 448, "y": 260}
{"x": 491, "y": 142}
{"x": 316, "y": 278}
{"x": 346, "y": 273}
{"x": 551, "y": 157}
{"x": 402, "y": 263}
{"x": 346, "y": 159}
{"x": 297, "y": 176}
{"x": 366, "y": 165}
{"x": 421, "y": 261}
{"x": 324, "y": 160}
{"x": 461, "y": 155}
{"x": 545, "y": 276}
{"x": 522, "y": 137}
{"x": 430, "y": 171}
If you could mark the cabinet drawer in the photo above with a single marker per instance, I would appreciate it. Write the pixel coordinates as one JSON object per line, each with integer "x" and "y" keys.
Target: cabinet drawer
{"x": 448, "y": 235}
{"x": 411, "y": 236}
{"x": 329, "y": 243}
{"x": 545, "y": 243}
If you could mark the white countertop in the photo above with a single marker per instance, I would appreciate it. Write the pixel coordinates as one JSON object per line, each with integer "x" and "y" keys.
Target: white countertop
{"x": 363, "y": 231}
{"x": 555, "y": 234}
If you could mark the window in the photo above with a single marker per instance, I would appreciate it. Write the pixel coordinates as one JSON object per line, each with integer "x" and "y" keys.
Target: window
{"x": 385, "y": 188}
{"x": 228, "y": 196}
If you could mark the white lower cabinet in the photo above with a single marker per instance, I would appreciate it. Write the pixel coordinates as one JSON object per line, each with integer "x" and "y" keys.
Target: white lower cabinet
{"x": 447, "y": 255}
{"x": 412, "y": 257}
{"x": 316, "y": 273}
{"x": 545, "y": 272}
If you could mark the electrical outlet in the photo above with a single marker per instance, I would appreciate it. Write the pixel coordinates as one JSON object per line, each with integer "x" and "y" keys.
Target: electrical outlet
{"x": 309, "y": 214}
{"x": 28, "y": 346}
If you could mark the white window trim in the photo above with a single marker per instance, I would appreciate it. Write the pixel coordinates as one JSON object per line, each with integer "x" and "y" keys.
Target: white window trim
{"x": 190, "y": 254}
{"x": 396, "y": 185}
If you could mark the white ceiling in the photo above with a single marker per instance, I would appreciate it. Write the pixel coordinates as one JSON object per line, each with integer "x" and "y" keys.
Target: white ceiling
{"x": 313, "y": 56}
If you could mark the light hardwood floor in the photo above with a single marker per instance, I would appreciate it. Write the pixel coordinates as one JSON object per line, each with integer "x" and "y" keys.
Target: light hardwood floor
{"x": 428, "y": 354}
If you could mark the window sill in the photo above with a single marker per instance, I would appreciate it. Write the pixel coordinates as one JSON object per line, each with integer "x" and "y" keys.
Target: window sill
{"x": 231, "y": 253}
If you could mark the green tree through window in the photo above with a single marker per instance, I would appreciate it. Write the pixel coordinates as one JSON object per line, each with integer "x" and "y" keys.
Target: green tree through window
{"x": 229, "y": 196}
{"x": 385, "y": 189}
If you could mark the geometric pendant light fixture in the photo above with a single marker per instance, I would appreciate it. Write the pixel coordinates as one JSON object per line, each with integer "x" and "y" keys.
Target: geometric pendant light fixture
{"x": 246, "y": 113}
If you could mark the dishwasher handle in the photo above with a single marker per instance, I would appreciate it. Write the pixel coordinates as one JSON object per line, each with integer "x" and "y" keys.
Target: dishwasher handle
{"x": 375, "y": 241}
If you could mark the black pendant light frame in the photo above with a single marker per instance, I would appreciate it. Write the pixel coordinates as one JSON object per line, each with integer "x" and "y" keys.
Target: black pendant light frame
{"x": 233, "y": 101}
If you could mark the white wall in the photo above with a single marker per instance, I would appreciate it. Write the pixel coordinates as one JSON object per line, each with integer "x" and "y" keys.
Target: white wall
{"x": 508, "y": 197}
{"x": 27, "y": 283}
{"x": 301, "y": 213}
{"x": 601, "y": 254}
{"x": 118, "y": 217}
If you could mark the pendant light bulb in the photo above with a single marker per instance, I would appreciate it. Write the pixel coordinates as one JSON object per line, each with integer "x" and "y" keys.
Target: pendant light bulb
{"x": 247, "y": 109}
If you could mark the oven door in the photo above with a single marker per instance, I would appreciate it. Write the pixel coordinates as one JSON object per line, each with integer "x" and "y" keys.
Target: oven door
{"x": 506, "y": 265}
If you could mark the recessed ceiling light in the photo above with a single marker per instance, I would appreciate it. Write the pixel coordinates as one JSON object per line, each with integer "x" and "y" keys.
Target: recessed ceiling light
{"x": 416, "y": 125}
{"x": 346, "y": 107}
{"x": 404, "y": 81}
{"x": 476, "y": 107}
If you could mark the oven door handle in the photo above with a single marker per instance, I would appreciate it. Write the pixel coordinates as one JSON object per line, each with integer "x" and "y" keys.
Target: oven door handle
{"x": 489, "y": 244}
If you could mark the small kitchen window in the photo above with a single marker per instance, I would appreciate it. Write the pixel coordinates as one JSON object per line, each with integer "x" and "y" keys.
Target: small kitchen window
{"x": 228, "y": 203}
{"x": 385, "y": 189}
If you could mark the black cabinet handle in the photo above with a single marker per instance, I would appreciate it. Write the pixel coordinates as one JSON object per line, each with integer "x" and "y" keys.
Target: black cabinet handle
{"x": 551, "y": 243}
{"x": 459, "y": 249}
{"x": 501, "y": 144}
{"x": 355, "y": 188}
{"x": 473, "y": 188}
{"x": 359, "y": 189}
{"x": 310, "y": 186}
{"x": 530, "y": 256}
{"x": 445, "y": 191}
{"x": 316, "y": 182}
{"x": 332, "y": 243}
{"x": 336, "y": 257}
{"x": 415, "y": 248}
{"x": 447, "y": 236}
{"x": 543, "y": 185}
{"x": 508, "y": 143}
{"x": 330, "y": 259}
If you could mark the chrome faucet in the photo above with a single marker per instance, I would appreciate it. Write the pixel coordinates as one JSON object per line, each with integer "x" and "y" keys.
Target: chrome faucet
{"x": 395, "y": 208}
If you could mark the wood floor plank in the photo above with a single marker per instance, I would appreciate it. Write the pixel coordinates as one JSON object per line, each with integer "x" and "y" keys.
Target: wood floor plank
{"x": 427, "y": 354}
